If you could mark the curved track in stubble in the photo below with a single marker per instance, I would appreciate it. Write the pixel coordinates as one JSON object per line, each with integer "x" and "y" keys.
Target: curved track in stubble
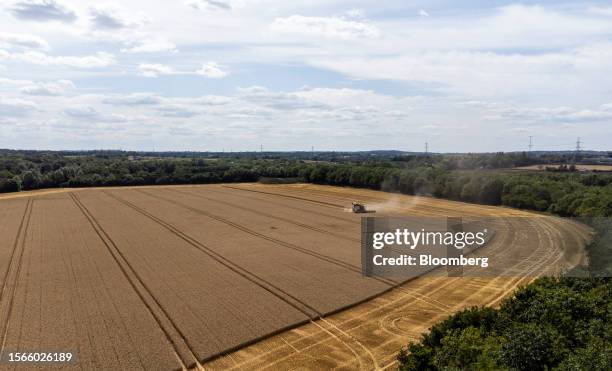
{"x": 409, "y": 309}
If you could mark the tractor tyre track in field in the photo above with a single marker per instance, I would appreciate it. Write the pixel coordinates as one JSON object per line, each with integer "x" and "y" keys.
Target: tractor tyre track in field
{"x": 301, "y": 306}
{"x": 274, "y": 200}
{"x": 276, "y": 241}
{"x": 329, "y": 204}
{"x": 272, "y": 216}
{"x": 14, "y": 267}
{"x": 437, "y": 284}
{"x": 181, "y": 345}
{"x": 417, "y": 296}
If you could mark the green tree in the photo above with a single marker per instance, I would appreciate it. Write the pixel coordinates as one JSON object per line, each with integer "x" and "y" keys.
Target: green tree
{"x": 10, "y": 185}
{"x": 31, "y": 179}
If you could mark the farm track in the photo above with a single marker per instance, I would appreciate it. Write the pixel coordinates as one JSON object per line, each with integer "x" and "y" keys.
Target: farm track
{"x": 238, "y": 277}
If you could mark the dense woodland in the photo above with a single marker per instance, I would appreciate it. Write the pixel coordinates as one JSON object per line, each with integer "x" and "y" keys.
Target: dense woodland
{"x": 551, "y": 324}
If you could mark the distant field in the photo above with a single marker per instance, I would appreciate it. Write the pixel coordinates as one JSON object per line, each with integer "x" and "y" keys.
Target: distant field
{"x": 169, "y": 277}
{"x": 579, "y": 167}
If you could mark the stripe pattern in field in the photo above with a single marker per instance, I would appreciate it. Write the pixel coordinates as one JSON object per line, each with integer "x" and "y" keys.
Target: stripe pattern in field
{"x": 173, "y": 277}
{"x": 368, "y": 336}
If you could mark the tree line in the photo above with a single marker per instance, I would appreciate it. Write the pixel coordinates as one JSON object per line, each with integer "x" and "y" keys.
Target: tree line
{"x": 562, "y": 193}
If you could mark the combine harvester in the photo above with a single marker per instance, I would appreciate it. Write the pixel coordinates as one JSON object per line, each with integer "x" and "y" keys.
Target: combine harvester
{"x": 359, "y": 208}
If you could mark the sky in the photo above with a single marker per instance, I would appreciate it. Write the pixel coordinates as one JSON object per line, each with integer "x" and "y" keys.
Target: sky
{"x": 235, "y": 75}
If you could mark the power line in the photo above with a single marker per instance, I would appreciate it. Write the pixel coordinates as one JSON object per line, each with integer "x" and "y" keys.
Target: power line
{"x": 578, "y": 143}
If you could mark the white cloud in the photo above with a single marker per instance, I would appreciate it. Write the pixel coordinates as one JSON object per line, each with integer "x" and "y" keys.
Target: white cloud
{"x": 356, "y": 13}
{"x": 16, "y": 107}
{"x": 109, "y": 17}
{"x": 213, "y": 100}
{"x": 115, "y": 24}
{"x": 332, "y": 27}
{"x": 475, "y": 74}
{"x": 12, "y": 83}
{"x": 551, "y": 115}
{"x": 136, "y": 99}
{"x": 211, "y": 4}
{"x": 90, "y": 114}
{"x": 604, "y": 11}
{"x": 277, "y": 100}
{"x": 346, "y": 97}
{"x": 178, "y": 111}
{"x": 155, "y": 70}
{"x": 42, "y": 10}
{"x": 97, "y": 60}
{"x": 57, "y": 88}
{"x": 423, "y": 13}
{"x": 209, "y": 70}
{"x": 150, "y": 46}
{"x": 81, "y": 112}
{"x": 606, "y": 107}
{"x": 26, "y": 41}
{"x": 212, "y": 70}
